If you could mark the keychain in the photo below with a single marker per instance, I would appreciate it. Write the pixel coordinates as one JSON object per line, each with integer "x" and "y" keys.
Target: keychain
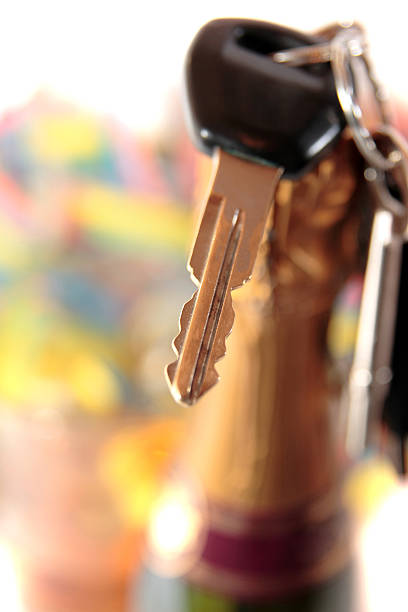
{"x": 386, "y": 171}
{"x": 259, "y": 480}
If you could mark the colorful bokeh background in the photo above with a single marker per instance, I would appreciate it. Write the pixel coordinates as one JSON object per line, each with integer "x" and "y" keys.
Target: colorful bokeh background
{"x": 95, "y": 226}
{"x": 97, "y": 181}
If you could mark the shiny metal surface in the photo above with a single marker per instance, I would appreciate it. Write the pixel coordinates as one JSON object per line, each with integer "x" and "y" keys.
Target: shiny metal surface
{"x": 222, "y": 259}
{"x": 319, "y": 53}
{"x": 344, "y": 59}
{"x": 371, "y": 374}
{"x": 273, "y": 388}
{"x": 313, "y": 54}
{"x": 266, "y": 432}
{"x": 346, "y": 49}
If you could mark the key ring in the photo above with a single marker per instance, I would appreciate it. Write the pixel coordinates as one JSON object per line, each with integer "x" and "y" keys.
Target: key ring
{"x": 345, "y": 48}
{"x": 380, "y": 180}
{"x": 400, "y": 175}
{"x": 343, "y": 59}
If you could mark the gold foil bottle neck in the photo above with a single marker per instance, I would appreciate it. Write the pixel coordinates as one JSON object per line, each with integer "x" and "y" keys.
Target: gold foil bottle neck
{"x": 262, "y": 439}
{"x": 262, "y": 445}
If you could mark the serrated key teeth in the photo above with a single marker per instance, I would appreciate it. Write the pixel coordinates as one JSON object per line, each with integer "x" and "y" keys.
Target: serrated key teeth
{"x": 192, "y": 392}
{"x": 184, "y": 320}
{"x": 170, "y": 372}
{"x": 189, "y": 378}
{"x": 230, "y": 232}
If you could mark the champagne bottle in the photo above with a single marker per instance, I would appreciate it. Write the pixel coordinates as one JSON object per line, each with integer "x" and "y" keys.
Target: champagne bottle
{"x": 252, "y": 517}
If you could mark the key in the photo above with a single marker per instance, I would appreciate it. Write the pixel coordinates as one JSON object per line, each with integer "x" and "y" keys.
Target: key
{"x": 222, "y": 260}
{"x": 259, "y": 119}
{"x": 371, "y": 373}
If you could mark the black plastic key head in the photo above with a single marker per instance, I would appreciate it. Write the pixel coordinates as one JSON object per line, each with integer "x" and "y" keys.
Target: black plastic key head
{"x": 240, "y": 99}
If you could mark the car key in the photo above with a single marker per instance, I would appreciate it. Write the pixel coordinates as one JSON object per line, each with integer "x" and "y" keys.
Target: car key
{"x": 261, "y": 120}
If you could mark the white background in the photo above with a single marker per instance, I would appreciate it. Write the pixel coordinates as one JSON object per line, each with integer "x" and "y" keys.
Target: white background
{"x": 124, "y": 57}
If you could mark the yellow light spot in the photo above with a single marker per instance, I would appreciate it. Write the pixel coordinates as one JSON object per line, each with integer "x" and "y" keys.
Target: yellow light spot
{"x": 369, "y": 483}
{"x": 341, "y": 334}
{"x": 175, "y": 524}
{"x": 61, "y": 138}
{"x": 146, "y": 220}
{"x": 93, "y": 385}
{"x": 134, "y": 463}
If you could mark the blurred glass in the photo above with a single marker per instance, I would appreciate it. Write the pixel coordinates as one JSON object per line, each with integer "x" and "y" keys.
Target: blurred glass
{"x": 75, "y": 499}
{"x": 94, "y": 226}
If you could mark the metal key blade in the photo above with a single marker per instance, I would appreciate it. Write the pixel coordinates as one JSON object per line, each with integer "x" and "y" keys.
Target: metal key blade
{"x": 373, "y": 345}
{"x": 222, "y": 259}
{"x": 207, "y": 311}
{"x": 370, "y": 372}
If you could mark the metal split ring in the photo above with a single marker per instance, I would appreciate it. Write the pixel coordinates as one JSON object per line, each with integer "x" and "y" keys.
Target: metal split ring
{"x": 343, "y": 62}
{"x": 343, "y": 51}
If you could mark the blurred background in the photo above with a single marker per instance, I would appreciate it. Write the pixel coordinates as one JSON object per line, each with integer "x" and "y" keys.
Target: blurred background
{"x": 126, "y": 58}
{"x": 97, "y": 182}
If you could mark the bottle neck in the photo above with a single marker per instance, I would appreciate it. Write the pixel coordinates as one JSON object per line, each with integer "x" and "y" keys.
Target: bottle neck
{"x": 265, "y": 432}
{"x": 261, "y": 443}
